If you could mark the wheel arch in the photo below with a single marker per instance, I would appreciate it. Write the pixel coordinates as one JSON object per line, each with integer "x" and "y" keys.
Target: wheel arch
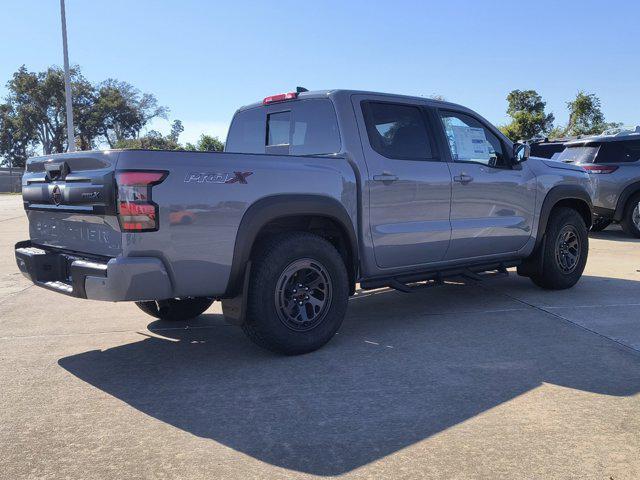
{"x": 621, "y": 205}
{"x": 571, "y": 196}
{"x": 294, "y": 212}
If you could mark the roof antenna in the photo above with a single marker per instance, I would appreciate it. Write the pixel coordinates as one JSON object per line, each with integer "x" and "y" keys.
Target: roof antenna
{"x": 301, "y": 89}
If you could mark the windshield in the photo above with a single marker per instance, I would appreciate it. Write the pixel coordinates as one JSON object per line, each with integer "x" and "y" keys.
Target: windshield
{"x": 578, "y": 154}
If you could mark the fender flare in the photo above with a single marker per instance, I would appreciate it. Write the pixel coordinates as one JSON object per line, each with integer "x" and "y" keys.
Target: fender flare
{"x": 629, "y": 191}
{"x": 275, "y": 207}
{"x": 555, "y": 195}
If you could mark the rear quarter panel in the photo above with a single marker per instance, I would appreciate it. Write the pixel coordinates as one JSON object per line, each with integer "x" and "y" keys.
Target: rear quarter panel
{"x": 610, "y": 186}
{"x": 201, "y": 207}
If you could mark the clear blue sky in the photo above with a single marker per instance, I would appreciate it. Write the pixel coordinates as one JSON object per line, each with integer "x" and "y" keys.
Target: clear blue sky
{"x": 202, "y": 59}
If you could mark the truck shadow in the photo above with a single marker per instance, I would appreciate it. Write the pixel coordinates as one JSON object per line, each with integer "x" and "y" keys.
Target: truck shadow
{"x": 400, "y": 370}
{"x": 615, "y": 234}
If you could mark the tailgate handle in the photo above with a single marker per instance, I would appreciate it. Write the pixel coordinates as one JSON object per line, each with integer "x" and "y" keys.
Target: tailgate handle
{"x": 57, "y": 170}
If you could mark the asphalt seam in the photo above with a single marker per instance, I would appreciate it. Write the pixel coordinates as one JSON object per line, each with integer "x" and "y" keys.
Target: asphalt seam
{"x": 12, "y": 218}
{"x": 9, "y": 296}
{"x": 635, "y": 351}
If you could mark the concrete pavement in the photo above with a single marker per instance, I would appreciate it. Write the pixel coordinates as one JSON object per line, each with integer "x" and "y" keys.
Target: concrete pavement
{"x": 497, "y": 380}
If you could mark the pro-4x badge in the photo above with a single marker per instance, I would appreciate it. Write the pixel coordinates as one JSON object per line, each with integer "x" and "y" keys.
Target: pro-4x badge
{"x": 233, "y": 177}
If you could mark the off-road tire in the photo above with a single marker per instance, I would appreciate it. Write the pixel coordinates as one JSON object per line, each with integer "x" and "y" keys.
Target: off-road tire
{"x": 268, "y": 323}
{"x": 628, "y": 225}
{"x": 175, "y": 309}
{"x": 550, "y": 273}
{"x": 600, "y": 223}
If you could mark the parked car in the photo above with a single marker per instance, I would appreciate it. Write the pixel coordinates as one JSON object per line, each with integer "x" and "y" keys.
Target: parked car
{"x": 315, "y": 192}
{"x": 613, "y": 160}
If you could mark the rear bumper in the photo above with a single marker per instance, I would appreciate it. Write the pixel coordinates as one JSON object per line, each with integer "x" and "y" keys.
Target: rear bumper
{"x": 115, "y": 279}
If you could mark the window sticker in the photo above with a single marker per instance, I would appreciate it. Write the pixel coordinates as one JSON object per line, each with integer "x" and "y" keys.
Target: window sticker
{"x": 471, "y": 143}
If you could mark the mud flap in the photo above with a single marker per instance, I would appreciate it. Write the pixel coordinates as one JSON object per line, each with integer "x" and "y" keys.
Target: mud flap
{"x": 535, "y": 262}
{"x": 234, "y": 309}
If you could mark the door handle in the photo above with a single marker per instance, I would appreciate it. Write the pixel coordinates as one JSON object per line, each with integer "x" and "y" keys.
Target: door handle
{"x": 463, "y": 178}
{"x": 385, "y": 177}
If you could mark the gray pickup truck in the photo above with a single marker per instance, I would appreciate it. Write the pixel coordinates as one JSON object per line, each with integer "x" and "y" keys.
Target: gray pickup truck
{"x": 316, "y": 192}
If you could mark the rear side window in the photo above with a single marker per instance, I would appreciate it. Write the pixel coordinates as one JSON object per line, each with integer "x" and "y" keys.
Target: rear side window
{"x": 619, "y": 152}
{"x": 304, "y": 127}
{"x": 315, "y": 128}
{"x": 397, "y": 130}
{"x": 247, "y": 132}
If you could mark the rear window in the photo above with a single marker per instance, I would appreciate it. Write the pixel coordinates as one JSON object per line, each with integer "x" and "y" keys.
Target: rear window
{"x": 304, "y": 127}
{"x": 578, "y": 154}
{"x": 278, "y": 126}
{"x": 397, "y": 130}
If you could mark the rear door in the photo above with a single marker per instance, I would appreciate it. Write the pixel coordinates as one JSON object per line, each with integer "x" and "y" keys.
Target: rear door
{"x": 409, "y": 184}
{"x": 70, "y": 202}
{"x": 492, "y": 200}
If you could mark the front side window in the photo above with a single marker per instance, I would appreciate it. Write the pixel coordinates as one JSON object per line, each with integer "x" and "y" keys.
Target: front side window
{"x": 397, "y": 130}
{"x": 470, "y": 141}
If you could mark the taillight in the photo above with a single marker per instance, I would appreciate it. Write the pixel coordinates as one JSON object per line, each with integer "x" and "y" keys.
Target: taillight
{"x": 599, "y": 169}
{"x": 280, "y": 98}
{"x": 136, "y": 211}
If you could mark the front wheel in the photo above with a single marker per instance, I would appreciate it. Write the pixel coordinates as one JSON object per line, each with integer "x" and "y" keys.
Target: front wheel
{"x": 564, "y": 251}
{"x": 175, "y": 309}
{"x": 297, "y": 295}
{"x": 631, "y": 218}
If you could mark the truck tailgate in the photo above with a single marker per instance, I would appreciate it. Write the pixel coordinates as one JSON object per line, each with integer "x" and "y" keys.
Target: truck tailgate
{"x": 70, "y": 202}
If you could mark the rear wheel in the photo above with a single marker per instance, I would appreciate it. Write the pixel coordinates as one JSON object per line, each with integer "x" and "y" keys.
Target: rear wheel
{"x": 297, "y": 295}
{"x": 631, "y": 219}
{"x": 174, "y": 309}
{"x": 564, "y": 251}
{"x": 600, "y": 223}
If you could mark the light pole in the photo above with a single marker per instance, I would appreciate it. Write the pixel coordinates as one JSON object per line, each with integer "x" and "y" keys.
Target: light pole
{"x": 71, "y": 140}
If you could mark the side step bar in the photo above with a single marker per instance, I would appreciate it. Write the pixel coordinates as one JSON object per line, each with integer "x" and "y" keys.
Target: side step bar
{"x": 435, "y": 278}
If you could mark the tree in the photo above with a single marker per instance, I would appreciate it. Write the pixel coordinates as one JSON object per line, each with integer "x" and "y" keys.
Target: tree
{"x": 154, "y": 140}
{"x": 38, "y": 103}
{"x": 121, "y": 111}
{"x": 529, "y": 120}
{"x": 83, "y": 95}
{"x": 206, "y": 143}
{"x": 585, "y": 115}
{"x": 176, "y": 129}
{"x": 34, "y": 113}
{"x": 16, "y": 142}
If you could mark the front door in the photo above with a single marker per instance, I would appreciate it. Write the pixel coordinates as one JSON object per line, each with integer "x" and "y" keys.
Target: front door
{"x": 409, "y": 184}
{"x": 492, "y": 200}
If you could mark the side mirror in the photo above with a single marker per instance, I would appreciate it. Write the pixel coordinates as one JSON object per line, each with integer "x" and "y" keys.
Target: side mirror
{"x": 521, "y": 152}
